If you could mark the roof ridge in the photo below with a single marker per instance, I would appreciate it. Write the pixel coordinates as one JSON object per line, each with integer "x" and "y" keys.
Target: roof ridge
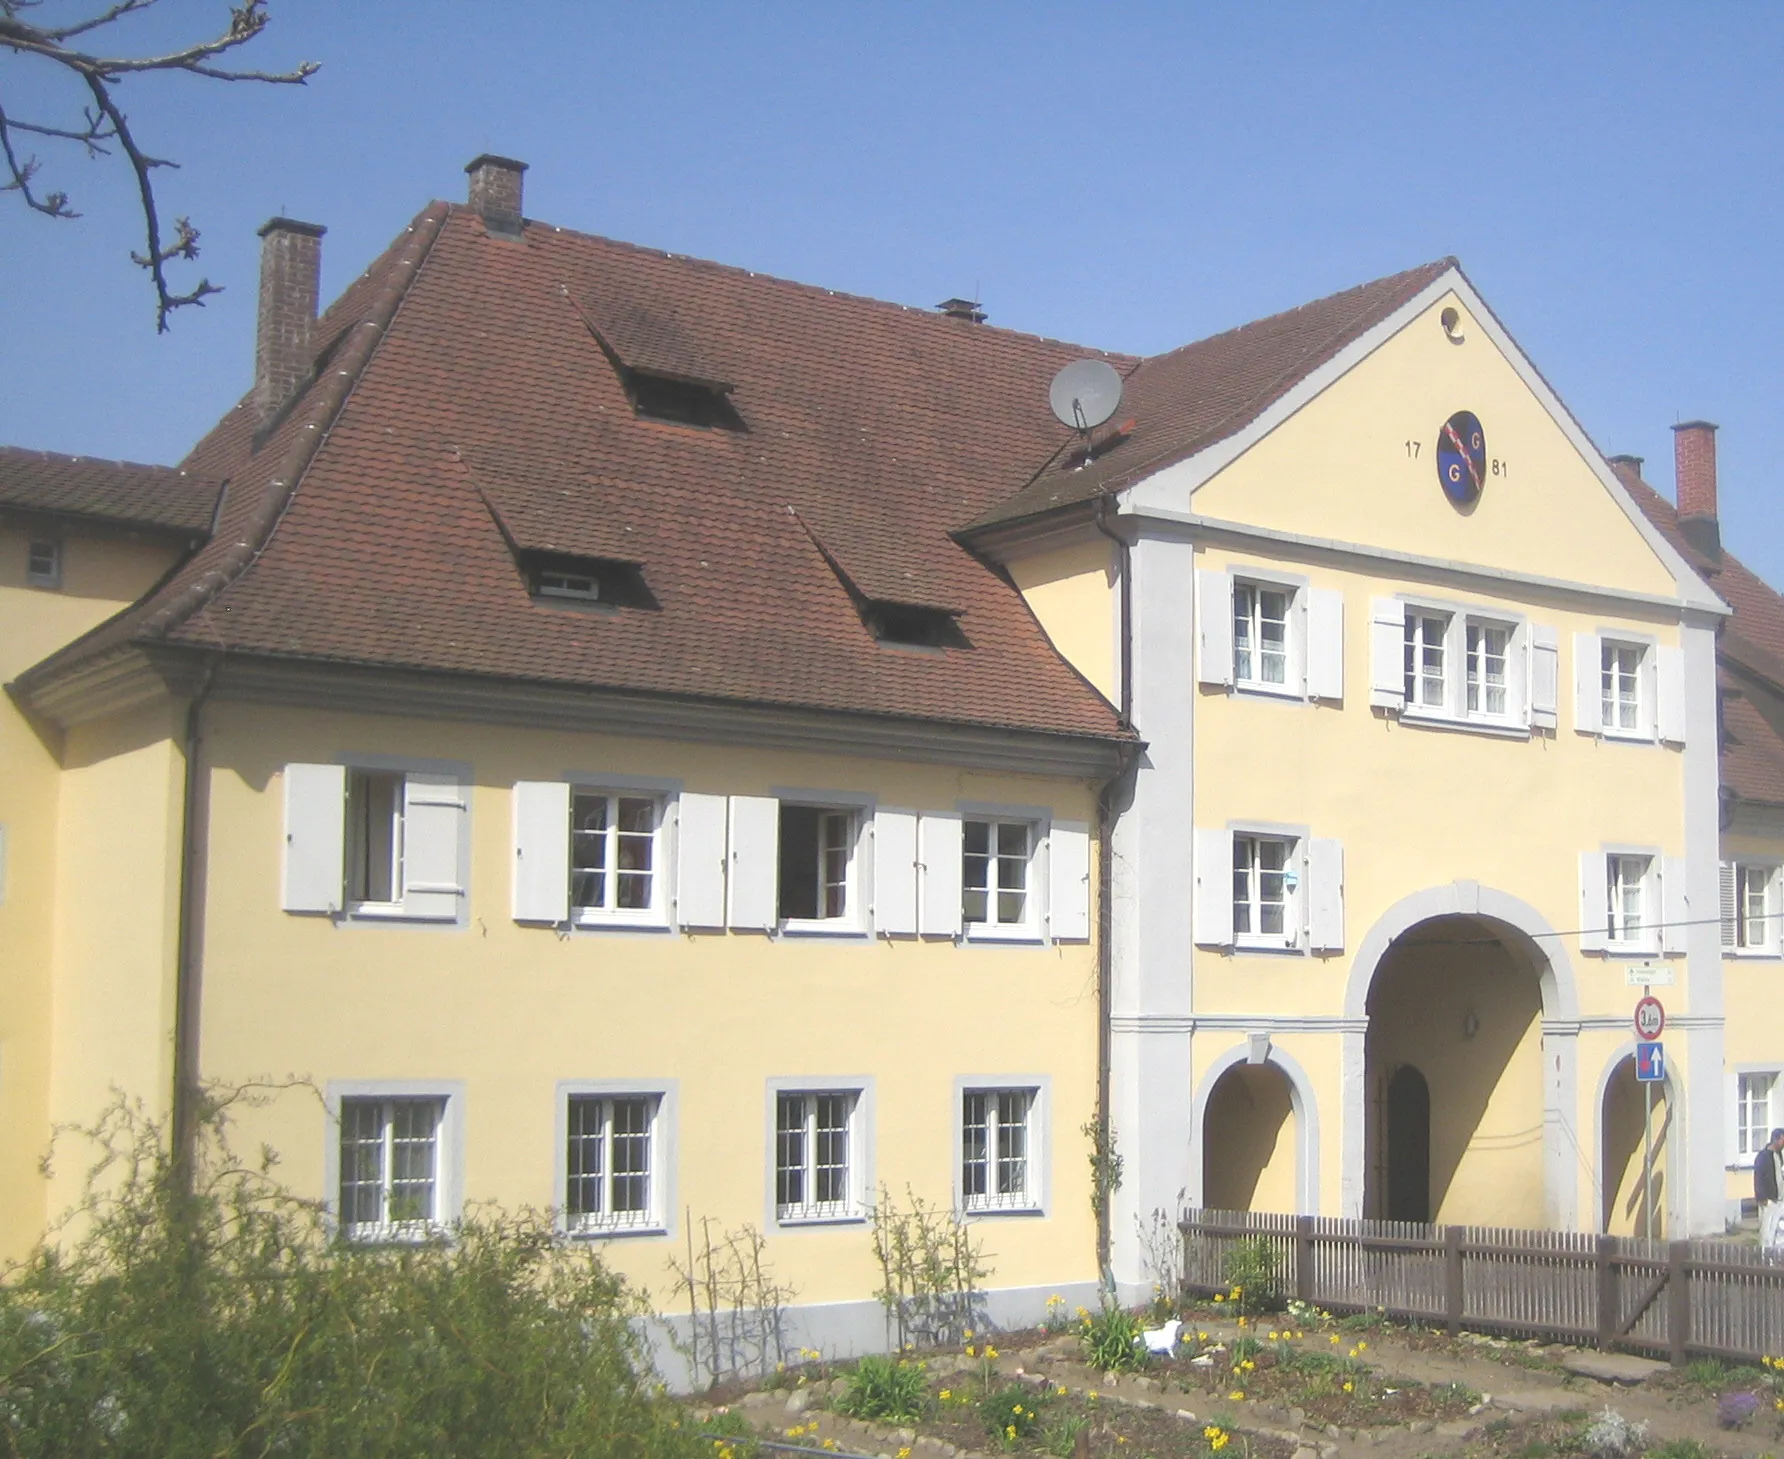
{"x": 71, "y": 457}
{"x": 1436, "y": 268}
{"x": 346, "y": 366}
{"x": 817, "y": 291}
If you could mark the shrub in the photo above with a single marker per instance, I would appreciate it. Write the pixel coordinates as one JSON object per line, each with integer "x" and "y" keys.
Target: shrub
{"x": 206, "y": 1312}
{"x": 884, "y": 1388}
{"x": 1011, "y": 1414}
{"x": 1680, "y": 1449}
{"x": 1111, "y": 1340}
{"x": 1611, "y": 1436}
{"x": 1059, "y": 1434}
{"x": 1253, "y": 1270}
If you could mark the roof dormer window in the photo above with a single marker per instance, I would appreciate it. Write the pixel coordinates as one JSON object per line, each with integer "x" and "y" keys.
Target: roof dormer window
{"x": 559, "y": 577}
{"x": 685, "y": 402}
{"x": 913, "y": 625}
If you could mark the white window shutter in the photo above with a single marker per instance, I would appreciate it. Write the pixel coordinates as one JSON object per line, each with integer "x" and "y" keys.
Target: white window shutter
{"x": 542, "y": 851}
{"x": 938, "y": 851}
{"x": 699, "y": 860}
{"x": 1387, "y": 654}
{"x": 1068, "y": 881}
{"x": 1669, "y": 674}
{"x": 1325, "y": 876}
{"x": 753, "y": 872}
{"x": 1675, "y": 904}
{"x": 315, "y": 838}
{"x": 1594, "y": 901}
{"x": 1731, "y": 908}
{"x": 894, "y": 872}
{"x": 1214, "y": 888}
{"x": 1588, "y": 684}
{"x": 1545, "y": 677}
{"x": 1214, "y": 627}
{"x": 1325, "y": 643}
{"x": 434, "y": 809}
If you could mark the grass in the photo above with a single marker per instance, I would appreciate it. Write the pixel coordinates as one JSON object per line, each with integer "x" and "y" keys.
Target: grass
{"x": 884, "y": 1388}
{"x": 1680, "y": 1449}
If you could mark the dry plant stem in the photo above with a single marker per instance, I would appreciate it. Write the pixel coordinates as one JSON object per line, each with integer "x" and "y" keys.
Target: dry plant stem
{"x": 104, "y": 122}
{"x": 734, "y": 1299}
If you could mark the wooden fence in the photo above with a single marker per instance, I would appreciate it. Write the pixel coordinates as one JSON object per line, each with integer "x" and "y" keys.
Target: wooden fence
{"x": 1675, "y": 1299}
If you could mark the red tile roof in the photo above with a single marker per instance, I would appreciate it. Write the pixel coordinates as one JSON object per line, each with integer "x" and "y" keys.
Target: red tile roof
{"x": 1189, "y": 399}
{"x": 463, "y": 382}
{"x": 117, "y": 493}
{"x": 1751, "y": 647}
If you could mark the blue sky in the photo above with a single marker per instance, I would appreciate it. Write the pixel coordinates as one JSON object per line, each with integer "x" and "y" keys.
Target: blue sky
{"x": 1130, "y": 177}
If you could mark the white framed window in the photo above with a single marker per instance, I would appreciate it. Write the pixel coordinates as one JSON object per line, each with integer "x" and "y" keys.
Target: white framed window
{"x": 1487, "y": 680}
{"x": 1261, "y": 632}
{"x": 611, "y": 1162}
{"x": 1427, "y": 653}
{"x": 615, "y": 861}
{"x": 1629, "y": 893}
{"x": 816, "y": 1161}
{"x": 377, "y": 839}
{"x": 1262, "y": 614}
{"x": 1750, "y": 907}
{"x": 1000, "y": 1149}
{"x": 1620, "y": 700}
{"x": 996, "y": 872}
{"x": 1756, "y": 1110}
{"x": 43, "y": 563}
{"x": 391, "y": 1167}
{"x": 817, "y": 872}
{"x": 1266, "y": 881}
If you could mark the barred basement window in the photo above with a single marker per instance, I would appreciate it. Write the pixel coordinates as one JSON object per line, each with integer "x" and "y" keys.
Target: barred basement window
{"x": 996, "y": 1162}
{"x": 812, "y": 1156}
{"x": 609, "y": 1162}
{"x": 390, "y": 1167}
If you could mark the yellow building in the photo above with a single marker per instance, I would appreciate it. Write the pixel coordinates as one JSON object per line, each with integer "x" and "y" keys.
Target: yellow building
{"x": 627, "y": 736}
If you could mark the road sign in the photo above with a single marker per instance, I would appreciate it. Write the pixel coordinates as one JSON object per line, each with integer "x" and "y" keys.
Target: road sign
{"x": 1650, "y": 1063}
{"x": 1650, "y": 1018}
{"x": 1647, "y": 975}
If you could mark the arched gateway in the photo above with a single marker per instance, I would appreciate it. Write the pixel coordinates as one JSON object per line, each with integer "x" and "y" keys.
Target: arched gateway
{"x": 1459, "y": 1065}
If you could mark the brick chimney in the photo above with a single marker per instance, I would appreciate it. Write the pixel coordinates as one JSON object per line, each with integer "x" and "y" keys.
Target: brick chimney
{"x": 967, "y": 309}
{"x": 1628, "y": 468}
{"x": 1694, "y": 461}
{"x": 495, "y": 192}
{"x": 290, "y": 276}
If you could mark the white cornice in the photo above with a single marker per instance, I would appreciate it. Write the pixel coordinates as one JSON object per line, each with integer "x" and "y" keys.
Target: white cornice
{"x": 1167, "y": 520}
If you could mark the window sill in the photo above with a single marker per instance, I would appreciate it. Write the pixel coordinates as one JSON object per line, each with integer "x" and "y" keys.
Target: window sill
{"x": 982, "y": 1213}
{"x": 1256, "y": 689}
{"x": 798, "y": 1219}
{"x": 653, "y": 1227}
{"x": 991, "y": 932}
{"x": 1623, "y": 737}
{"x": 375, "y": 911}
{"x": 625, "y": 921}
{"x": 1756, "y": 954}
{"x": 408, "y": 1233}
{"x": 1274, "y": 946}
{"x": 1633, "y": 949}
{"x": 1504, "y": 729}
{"x": 821, "y": 927}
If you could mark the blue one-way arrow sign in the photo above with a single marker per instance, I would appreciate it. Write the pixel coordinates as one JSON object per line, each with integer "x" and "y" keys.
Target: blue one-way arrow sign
{"x": 1650, "y": 1063}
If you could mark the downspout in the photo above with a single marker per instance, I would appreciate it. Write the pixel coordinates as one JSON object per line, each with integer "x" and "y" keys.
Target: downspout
{"x": 1106, "y": 815}
{"x": 188, "y": 1092}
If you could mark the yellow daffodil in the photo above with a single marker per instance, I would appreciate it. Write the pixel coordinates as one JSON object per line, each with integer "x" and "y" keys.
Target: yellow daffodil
{"x": 1218, "y": 1442}
{"x": 1333, "y": 1339}
{"x": 971, "y": 1351}
{"x": 1349, "y": 1387}
{"x": 990, "y": 1351}
{"x": 1218, "y": 1297}
{"x": 968, "y": 1334}
{"x": 1010, "y": 1432}
{"x": 1236, "y": 1394}
{"x": 1361, "y": 1346}
{"x": 905, "y": 1452}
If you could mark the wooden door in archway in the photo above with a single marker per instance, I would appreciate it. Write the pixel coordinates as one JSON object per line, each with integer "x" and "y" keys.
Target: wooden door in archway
{"x": 1408, "y": 1145}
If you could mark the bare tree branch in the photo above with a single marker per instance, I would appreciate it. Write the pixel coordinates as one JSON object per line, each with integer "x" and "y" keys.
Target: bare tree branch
{"x": 104, "y": 121}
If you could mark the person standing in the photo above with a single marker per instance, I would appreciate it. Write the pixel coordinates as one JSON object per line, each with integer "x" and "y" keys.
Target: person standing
{"x": 1768, "y": 1190}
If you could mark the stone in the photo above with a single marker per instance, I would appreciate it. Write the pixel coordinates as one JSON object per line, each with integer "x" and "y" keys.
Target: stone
{"x": 1306, "y": 1452}
{"x": 1146, "y": 1385}
{"x": 760, "y": 1398}
{"x": 1623, "y": 1368}
{"x": 1420, "y": 1426}
{"x": 1297, "y": 1416}
{"x": 1334, "y": 1432}
{"x": 1328, "y": 1451}
{"x": 799, "y": 1400}
{"x": 1186, "y": 1416}
{"x": 1550, "y": 1402}
{"x": 1457, "y": 1428}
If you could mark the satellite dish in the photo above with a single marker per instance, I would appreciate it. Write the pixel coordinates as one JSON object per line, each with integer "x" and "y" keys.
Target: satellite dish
{"x": 1085, "y": 394}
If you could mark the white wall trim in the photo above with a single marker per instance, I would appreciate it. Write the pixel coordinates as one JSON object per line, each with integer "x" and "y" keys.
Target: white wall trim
{"x": 1168, "y": 521}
